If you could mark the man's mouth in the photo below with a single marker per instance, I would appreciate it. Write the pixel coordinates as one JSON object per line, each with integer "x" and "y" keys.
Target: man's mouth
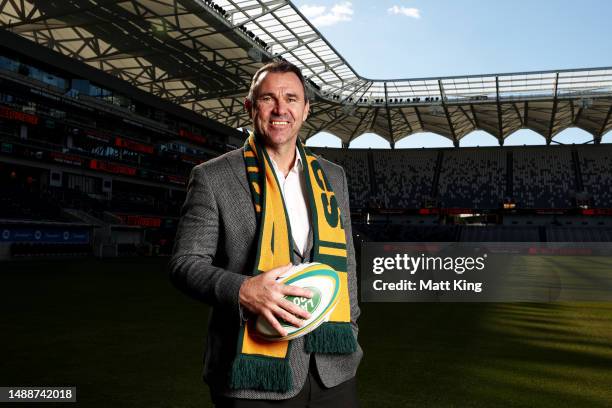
{"x": 280, "y": 123}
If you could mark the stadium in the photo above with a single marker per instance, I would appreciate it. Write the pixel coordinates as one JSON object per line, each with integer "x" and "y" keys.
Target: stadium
{"x": 105, "y": 107}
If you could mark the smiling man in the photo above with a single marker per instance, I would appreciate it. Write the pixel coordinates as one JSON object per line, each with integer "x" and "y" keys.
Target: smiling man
{"x": 248, "y": 216}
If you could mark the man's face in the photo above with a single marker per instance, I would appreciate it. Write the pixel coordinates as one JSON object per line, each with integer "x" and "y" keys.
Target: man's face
{"x": 279, "y": 108}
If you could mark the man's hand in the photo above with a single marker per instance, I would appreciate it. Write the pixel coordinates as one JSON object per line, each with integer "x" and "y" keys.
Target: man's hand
{"x": 263, "y": 295}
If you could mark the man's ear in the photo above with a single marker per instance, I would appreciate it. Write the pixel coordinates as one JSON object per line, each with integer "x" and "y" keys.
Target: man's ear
{"x": 248, "y": 106}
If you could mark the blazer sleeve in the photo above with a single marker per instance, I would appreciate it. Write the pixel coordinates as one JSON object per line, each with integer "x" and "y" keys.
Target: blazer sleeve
{"x": 345, "y": 213}
{"x": 191, "y": 266}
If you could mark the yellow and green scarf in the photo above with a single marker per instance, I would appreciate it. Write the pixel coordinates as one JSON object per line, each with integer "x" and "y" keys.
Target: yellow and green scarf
{"x": 263, "y": 365}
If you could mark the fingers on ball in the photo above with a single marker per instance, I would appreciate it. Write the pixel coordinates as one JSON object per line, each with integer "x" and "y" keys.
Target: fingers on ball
{"x": 274, "y": 323}
{"x": 289, "y": 317}
{"x": 294, "y": 309}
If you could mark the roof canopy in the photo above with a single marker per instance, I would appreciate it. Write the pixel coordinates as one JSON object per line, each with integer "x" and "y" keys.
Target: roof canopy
{"x": 202, "y": 54}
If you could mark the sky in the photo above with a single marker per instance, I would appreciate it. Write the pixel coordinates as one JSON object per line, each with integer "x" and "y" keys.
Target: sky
{"x": 388, "y": 39}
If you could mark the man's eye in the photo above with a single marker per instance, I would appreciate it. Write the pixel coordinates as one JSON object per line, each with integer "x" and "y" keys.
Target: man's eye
{"x": 265, "y": 99}
{"x": 293, "y": 100}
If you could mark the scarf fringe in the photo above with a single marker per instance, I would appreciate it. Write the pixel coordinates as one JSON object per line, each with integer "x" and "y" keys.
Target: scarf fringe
{"x": 332, "y": 338}
{"x": 261, "y": 373}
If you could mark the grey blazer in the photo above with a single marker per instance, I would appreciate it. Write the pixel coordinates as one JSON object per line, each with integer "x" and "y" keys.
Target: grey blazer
{"x": 214, "y": 253}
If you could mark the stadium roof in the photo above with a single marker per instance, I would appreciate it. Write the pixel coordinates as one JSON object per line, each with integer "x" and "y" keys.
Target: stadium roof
{"x": 201, "y": 55}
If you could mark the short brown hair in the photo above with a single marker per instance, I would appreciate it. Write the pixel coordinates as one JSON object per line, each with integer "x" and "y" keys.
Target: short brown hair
{"x": 277, "y": 66}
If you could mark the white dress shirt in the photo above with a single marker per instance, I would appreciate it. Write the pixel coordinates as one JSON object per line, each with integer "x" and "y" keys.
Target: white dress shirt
{"x": 293, "y": 189}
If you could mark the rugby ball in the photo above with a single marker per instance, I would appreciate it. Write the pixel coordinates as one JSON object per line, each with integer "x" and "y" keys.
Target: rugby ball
{"x": 324, "y": 283}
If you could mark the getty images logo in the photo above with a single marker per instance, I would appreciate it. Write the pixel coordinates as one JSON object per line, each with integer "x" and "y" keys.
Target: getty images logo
{"x": 422, "y": 262}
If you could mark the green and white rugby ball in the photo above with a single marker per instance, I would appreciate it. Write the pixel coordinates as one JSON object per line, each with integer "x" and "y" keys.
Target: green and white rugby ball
{"x": 324, "y": 283}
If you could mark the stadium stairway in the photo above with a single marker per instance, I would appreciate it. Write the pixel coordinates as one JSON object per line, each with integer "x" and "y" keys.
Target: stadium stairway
{"x": 373, "y": 186}
{"x": 577, "y": 171}
{"x": 82, "y": 216}
{"x": 436, "y": 180}
{"x": 111, "y": 238}
{"x": 509, "y": 164}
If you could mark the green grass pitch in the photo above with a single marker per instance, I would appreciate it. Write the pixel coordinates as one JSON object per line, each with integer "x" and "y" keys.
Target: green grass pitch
{"x": 125, "y": 337}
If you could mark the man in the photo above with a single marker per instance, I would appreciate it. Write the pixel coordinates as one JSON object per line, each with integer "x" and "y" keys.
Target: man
{"x": 234, "y": 241}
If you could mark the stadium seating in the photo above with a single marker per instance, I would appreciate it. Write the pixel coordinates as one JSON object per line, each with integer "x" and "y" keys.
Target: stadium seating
{"x": 391, "y": 232}
{"x": 20, "y": 203}
{"x": 543, "y": 177}
{"x": 407, "y": 233}
{"x": 499, "y": 234}
{"x": 403, "y": 177}
{"x": 357, "y": 172}
{"x": 561, "y": 234}
{"x": 596, "y": 171}
{"x": 472, "y": 178}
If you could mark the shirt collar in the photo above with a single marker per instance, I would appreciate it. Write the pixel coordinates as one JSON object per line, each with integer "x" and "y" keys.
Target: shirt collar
{"x": 297, "y": 164}
{"x": 298, "y": 158}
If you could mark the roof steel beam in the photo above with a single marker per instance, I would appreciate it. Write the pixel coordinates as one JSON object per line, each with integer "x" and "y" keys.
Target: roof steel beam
{"x": 500, "y": 124}
{"x": 599, "y": 135}
{"x": 391, "y": 140}
{"x": 416, "y": 110}
{"x": 476, "y": 124}
{"x": 266, "y": 7}
{"x": 448, "y": 117}
{"x": 553, "y": 112}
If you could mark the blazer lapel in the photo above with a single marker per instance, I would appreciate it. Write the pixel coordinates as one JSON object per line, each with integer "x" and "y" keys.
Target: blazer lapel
{"x": 242, "y": 201}
{"x": 309, "y": 244}
{"x": 236, "y": 162}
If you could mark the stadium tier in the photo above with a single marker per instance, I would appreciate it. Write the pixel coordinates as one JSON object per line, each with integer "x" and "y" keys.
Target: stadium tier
{"x": 80, "y": 148}
{"x": 483, "y": 178}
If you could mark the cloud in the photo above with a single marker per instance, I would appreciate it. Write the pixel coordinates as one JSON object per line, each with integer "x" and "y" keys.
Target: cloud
{"x": 312, "y": 11}
{"x": 405, "y": 11}
{"x": 320, "y": 16}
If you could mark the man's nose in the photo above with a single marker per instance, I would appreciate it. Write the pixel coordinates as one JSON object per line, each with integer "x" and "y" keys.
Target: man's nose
{"x": 280, "y": 107}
